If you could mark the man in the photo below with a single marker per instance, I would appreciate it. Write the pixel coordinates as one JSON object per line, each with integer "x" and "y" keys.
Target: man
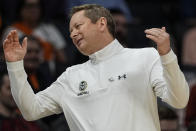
{"x": 115, "y": 90}
{"x": 37, "y": 69}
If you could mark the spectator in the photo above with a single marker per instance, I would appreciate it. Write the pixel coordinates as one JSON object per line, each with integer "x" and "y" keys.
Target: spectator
{"x": 11, "y": 119}
{"x": 189, "y": 55}
{"x": 29, "y": 23}
{"x": 36, "y": 68}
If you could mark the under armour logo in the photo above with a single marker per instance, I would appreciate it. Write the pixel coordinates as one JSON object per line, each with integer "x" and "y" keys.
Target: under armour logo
{"x": 124, "y": 76}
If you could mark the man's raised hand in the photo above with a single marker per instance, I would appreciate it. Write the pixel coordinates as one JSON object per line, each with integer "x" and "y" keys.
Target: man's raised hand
{"x": 13, "y": 50}
{"x": 161, "y": 38}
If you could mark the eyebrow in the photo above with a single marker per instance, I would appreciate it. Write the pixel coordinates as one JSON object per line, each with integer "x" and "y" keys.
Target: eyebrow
{"x": 70, "y": 30}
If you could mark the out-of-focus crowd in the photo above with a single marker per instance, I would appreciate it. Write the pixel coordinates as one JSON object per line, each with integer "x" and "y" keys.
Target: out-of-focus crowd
{"x": 50, "y": 50}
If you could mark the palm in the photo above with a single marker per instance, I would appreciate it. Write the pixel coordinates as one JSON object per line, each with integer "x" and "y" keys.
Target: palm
{"x": 13, "y": 51}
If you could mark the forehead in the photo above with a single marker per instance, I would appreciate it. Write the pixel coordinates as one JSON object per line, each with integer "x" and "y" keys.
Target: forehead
{"x": 77, "y": 17}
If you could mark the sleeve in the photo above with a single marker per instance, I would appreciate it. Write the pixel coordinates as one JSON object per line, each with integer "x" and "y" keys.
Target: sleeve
{"x": 33, "y": 106}
{"x": 168, "y": 81}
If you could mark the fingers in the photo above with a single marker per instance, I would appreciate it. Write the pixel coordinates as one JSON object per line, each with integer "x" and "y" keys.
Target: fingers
{"x": 154, "y": 38}
{"x": 153, "y": 34}
{"x": 158, "y": 35}
{"x": 12, "y": 37}
{"x": 163, "y": 28}
{"x": 24, "y": 43}
{"x": 7, "y": 41}
{"x": 15, "y": 36}
{"x": 12, "y": 40}
{"x": 9, "y": 38}
{"x": 155, "y": 31}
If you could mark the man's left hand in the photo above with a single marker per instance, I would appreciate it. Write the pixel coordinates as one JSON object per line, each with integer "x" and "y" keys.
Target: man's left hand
{"x": 161, "y": 38}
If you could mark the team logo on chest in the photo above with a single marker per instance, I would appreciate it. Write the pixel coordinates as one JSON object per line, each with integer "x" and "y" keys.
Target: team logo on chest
{"x": 82, "y": 87}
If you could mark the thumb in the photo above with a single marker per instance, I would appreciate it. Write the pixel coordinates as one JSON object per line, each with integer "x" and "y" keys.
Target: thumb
{"x": 24, "y": 43}
{"x": 163, "y": 28}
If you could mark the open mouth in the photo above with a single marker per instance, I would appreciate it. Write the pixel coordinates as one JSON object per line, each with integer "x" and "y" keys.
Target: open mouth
{"x": 79, "y": 42}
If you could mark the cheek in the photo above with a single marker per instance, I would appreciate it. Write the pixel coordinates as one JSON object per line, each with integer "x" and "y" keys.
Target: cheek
{"x": 91, "y": 35}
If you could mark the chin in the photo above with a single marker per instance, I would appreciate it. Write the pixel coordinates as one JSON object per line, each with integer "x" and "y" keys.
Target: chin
{"x": 84, "y": 53}
{"x": 84, "y": 49}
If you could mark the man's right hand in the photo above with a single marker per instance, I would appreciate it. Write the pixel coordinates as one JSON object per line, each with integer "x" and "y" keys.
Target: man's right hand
{"x": 13, "y": 50}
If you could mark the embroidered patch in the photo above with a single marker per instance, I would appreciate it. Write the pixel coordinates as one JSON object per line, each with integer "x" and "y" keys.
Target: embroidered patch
{"x": 83, "y": 85}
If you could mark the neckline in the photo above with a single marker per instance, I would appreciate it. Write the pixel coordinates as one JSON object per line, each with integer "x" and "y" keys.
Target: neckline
{"x": 108, "y": 51}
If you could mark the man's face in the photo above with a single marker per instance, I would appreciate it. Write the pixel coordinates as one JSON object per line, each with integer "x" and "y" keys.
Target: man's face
{"x": 84, "y": 33}
{"x": 5, "y": 94}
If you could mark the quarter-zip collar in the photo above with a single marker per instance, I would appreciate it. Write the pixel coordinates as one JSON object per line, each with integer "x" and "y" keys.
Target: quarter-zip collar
{"x": 108, "y": 51}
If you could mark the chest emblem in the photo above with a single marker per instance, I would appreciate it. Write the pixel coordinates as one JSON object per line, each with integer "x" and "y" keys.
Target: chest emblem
{"x": 82, "y": 88}
{"x": 83, "y": 85}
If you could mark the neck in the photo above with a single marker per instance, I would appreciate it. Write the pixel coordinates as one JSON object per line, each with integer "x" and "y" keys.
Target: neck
{"x": 105, "y": 40}
{"x": 108, "y": 39}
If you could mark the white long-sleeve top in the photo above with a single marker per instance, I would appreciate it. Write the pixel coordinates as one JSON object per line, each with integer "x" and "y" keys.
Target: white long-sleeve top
{"x": 115, "y": 90}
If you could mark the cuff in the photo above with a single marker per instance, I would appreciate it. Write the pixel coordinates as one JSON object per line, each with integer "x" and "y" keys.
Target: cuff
{"x": 15, "y": 66}
{"x": 168, "y": 58}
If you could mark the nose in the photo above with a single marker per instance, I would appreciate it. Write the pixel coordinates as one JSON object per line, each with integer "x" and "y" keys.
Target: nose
{"x": 74, "y": 34}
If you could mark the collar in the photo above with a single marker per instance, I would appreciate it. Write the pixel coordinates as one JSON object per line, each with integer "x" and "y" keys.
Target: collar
{"x": 108, "y": 51}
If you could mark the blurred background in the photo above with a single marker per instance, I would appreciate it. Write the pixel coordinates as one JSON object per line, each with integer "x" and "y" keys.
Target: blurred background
{"x": 50, "y": 49}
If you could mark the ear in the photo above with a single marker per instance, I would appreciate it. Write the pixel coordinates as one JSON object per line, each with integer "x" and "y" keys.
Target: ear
{"x": 102, "y": 24}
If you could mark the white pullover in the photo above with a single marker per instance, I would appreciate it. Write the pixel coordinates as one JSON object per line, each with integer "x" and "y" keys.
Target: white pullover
{"x": 115, "y": 90}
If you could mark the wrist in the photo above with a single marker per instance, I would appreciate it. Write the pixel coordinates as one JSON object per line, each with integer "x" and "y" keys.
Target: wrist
{"x": 163, "y": 51}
